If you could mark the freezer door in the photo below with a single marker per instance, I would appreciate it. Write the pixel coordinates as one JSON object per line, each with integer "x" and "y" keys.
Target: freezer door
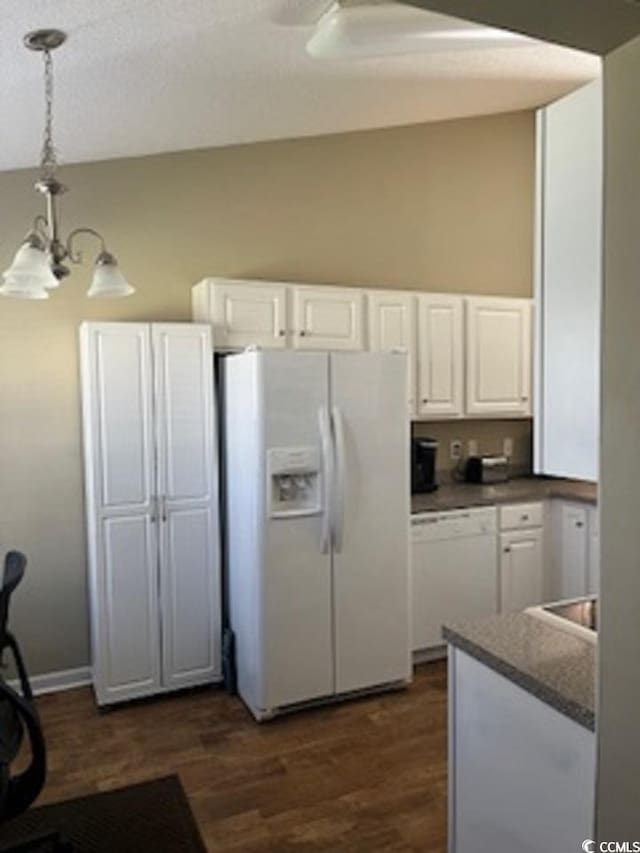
{"x": 297, "y": 640}
{"x": 371, "y": 519}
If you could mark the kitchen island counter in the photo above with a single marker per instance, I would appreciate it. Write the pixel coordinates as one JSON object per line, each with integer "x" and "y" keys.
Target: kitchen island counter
{"x": 553, "y": 664}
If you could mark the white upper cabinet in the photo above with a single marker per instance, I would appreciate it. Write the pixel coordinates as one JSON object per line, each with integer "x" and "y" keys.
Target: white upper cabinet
{"x": 392, "y": 326}
{"x": 498, "y": 357}
{"x": 243, "y": 313}
{"x": 440, "y": 356}
{"x": 328, "y": 318}
{"x": 492, "y": 349}
{"x": 569, "y": 284}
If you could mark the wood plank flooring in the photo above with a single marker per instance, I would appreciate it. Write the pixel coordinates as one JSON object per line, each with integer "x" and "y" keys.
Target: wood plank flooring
{"x": 362, "y": 776}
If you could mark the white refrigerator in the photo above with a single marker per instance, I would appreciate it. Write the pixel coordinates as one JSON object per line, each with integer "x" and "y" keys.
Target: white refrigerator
{"x": 317, "y": 513}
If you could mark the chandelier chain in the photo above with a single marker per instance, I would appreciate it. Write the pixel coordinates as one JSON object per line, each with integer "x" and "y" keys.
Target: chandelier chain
{"x": 49, "y": 161}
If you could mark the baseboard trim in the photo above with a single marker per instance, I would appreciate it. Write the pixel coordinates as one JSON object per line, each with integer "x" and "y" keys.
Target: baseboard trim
{"x": 56, "y": 682}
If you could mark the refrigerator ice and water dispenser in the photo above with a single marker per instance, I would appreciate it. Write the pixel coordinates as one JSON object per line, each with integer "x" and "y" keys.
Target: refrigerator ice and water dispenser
{"x": 293, "y": 481}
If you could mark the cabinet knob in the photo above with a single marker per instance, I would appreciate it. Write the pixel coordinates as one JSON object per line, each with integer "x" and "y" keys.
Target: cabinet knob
{"x": 524, "y": 518}
{"x": 282, "y": 333}
{"x": 425, "y": 400}
{"x": 524, "y": 399}
{"x": 507, "y": 550}
{"x": 302, "y": 333}
{"x": 579, "y": 523}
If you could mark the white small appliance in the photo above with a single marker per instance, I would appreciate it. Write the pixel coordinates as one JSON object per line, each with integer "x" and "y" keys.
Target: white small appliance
{"x": 317, "y": 513}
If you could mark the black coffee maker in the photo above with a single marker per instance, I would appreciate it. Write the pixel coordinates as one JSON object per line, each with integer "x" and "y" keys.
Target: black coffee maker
{"x": 423, "y": 465}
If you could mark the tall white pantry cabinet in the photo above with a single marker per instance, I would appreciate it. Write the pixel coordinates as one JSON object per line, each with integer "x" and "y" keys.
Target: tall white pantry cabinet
{"x": 151, "y": 498}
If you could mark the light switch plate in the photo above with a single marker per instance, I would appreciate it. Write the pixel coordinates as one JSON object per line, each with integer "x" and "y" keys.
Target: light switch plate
{"x": 472, "y": 447}
{"x": 507, "y": 447}
{"x": 455, "y": 450}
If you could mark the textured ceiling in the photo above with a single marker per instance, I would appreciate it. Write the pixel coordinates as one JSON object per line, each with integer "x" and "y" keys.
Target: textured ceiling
{"x": 166, "y": 75}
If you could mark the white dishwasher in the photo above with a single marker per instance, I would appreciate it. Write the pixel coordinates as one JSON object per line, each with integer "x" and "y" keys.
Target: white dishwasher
{"x": 454, "y": 562}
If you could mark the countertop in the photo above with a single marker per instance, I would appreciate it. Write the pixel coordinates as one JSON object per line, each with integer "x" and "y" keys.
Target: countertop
{"x": 553, "y": 665}
{"x": 519, "y": 490}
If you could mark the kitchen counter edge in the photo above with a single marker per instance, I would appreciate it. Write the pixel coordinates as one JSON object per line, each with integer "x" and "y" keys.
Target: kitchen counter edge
{"x": 552, "y": 665}
{"x": 520, "y": 490}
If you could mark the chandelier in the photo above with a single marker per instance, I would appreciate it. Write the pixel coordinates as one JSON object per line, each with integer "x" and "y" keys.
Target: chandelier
{"x": 39, "y": 263}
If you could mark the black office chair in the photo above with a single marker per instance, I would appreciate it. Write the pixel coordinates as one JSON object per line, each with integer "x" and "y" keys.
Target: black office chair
{"x": 17, "y": 713}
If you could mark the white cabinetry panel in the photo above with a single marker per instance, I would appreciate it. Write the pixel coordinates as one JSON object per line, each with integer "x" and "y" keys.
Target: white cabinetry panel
{"x": 498, "y": 356}
{"x": 129, "y": 637}
{"x": 191, "y": 630}
{"x": 571, "y": 550}
{"x": 243, "y": 313}
{"x": 149, "y": 442}
{"x": 392, "y": 326}
{"x": 329, "y": 318}
{"x": 121, "y": 371}
{"x": 440, "y": 361}
{"x": 187, "y": 489}
{"x": 521, "y": 570}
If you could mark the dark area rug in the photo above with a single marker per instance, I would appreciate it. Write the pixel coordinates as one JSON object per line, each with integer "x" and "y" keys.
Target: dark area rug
{"x": 153, "y": 816}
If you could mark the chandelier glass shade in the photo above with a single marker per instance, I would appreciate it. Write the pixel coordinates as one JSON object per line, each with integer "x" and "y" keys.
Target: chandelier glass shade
{"x": 40, "y": 262}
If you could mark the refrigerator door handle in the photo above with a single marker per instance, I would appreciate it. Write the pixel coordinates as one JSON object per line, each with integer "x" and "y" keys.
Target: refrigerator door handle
{"x": 340, "y": 478}
{"x": 327, "y": 476}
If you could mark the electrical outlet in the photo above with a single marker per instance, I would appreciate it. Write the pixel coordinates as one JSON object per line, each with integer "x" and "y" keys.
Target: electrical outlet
{"x": 507, "y": 447}
{"x": 472, "y": 447}
{"x": 455, "y": 450}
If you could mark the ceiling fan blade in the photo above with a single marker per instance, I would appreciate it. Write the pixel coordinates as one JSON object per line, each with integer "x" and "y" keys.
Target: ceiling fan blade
{"x": 301, "y": 13}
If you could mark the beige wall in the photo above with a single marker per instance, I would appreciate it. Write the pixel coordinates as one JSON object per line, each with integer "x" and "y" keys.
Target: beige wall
{"x": 440, "y": 207}
{"x": 619, "y": 638}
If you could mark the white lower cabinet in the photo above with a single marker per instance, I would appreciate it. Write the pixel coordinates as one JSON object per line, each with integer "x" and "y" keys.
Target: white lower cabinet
{"x": 151, "y": 494}
{"x": 570, "y": 549}
{"x": 454, "y": 571}
{"x": 521, "y": 570}
{"x": 521, "y": 556}
{"x": 471, "y": 563}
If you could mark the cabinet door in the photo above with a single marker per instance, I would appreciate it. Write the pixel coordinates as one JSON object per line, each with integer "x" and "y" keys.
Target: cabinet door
{"x": 521, "y": 570}
{"x": 243, "y": 313}
{"x": 440, "y": 356}
{"x": 498, "y": 333}
{"x": 392, "y": 326}
{"x": 328, "y": 318}
{"x": 574, "y": 552}
{"x": 187, "y": 476}
{"x": 121, "y": 519}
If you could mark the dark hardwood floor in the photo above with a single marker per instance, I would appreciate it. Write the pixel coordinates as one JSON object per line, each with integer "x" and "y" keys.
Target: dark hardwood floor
{"x": 360, "y": 776}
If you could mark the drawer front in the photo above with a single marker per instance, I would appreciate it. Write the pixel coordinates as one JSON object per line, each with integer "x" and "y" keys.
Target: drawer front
{"x": 521, "y": 516}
